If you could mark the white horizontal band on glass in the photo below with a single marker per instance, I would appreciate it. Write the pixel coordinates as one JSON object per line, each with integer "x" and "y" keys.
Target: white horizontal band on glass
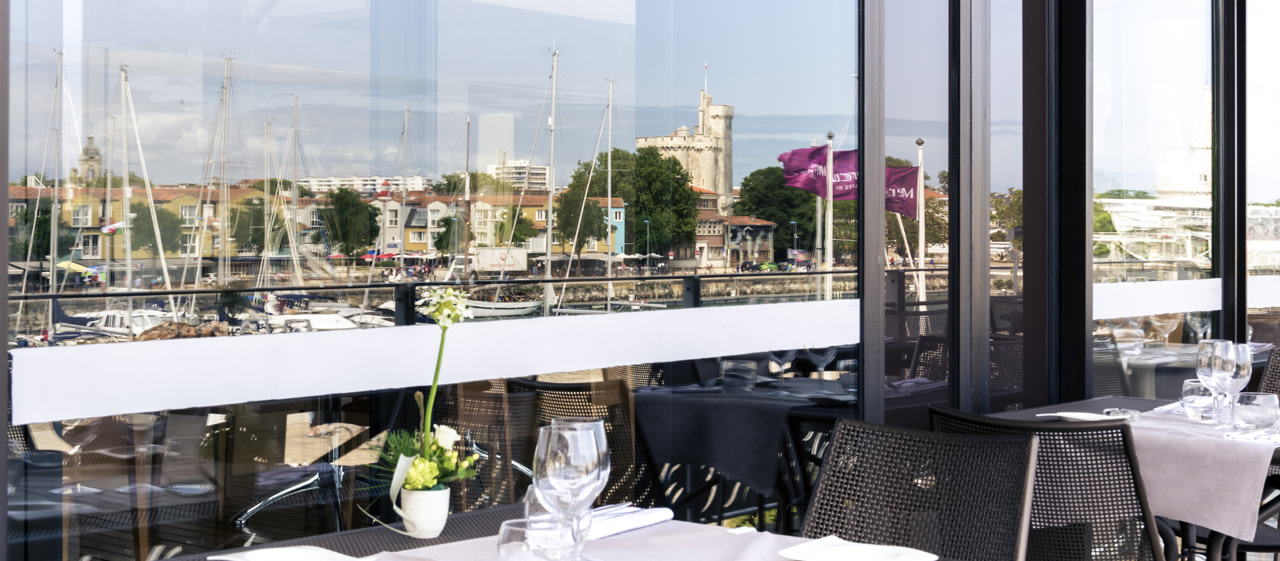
{"x": 1131, "y": 299}
{"x": 1264, "y": 291}
{"x": 54, "y": 383}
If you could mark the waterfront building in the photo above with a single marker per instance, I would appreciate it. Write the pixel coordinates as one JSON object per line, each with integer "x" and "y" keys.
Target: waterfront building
{"x": 365, "y": 184}
{"x": 707, "y": 152}
{"x": 520, "y": 174}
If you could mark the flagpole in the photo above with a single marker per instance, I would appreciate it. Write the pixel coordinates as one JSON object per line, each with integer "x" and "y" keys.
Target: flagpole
{"x": 818, "y": 220}
{"x": 921, "y": 290}
{"x": 828, "y": 263}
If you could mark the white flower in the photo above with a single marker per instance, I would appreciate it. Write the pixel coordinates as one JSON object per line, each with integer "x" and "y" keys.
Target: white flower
{"x": 446, "y": 437}
{"x": 447, "y": 306}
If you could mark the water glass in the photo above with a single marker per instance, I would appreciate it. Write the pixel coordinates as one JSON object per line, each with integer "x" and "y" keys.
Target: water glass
{"x": 533, "y": 539}
{"x": 1197, "y": 400}
{"x": 738, "y": 374}
{"x": 1255, "y": 410}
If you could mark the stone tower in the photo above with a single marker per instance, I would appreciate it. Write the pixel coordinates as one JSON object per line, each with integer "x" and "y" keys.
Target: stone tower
{"x": 90, "y": 162}
{"x": 707, "y": 154}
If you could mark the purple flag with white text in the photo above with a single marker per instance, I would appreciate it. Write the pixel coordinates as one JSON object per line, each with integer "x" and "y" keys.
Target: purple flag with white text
{"x": 806, "y": 169}
{"x": 900, "y": 190}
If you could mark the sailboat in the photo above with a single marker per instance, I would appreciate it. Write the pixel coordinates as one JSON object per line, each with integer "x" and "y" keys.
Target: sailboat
{"x": 495, "y": 306}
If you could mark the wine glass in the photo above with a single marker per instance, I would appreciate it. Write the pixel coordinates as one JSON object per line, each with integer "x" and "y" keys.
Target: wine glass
{"x": 1255, "y": 410}
{"x": 597, "y": 428}
{"x": 820, "y": 359}
{"x": 143, "y": 430}
{"x": 566, "y": 479}
{"x": 78, "y": 433}
{"x": 1197, "y": 325}
{"x": 1164, "y": 324}
{"x": 1224, "y": 372}
{"x": 1128, "y": 336}
{"x": 1235, "y": 379}
{"x": 849, "y": 375}
{"x": 782, "y": 359}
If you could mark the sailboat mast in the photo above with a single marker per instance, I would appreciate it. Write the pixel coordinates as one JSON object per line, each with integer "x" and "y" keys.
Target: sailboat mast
{"x": 547, "y": 290}
{"x": 126, "y": 192}
{"x": 466, "y": 201}
{"x": 404, "y": 186}
{"x": 224, "y": 191}
{"x": 608, "y": 194}
{"x": 55, "y": 213}
{"x": 106, "y": 244}
{"x": 295, "y": 191}
{"x": 608, "y": 187}
{"x": 266, "y": 198}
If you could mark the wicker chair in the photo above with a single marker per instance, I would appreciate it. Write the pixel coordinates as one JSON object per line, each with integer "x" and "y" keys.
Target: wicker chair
{"x": 609, "y": 400}
{"x": 1006, "y": 315}
{"x": 932, "y": 358}
{"x": 1271, "y": 375}
{"x": 1108, "y": 375}
{"x": 909, "y": 326}
{"x": 1266, "y": 328}
{"x": 1085, "y": 507}
{"x": 498, "y": 426}
{"x": 962, "y": 497}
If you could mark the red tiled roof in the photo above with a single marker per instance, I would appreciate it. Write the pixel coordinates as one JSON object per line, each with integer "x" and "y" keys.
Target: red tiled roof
{"x": 749, "y": 221}
{"x": 701, "y": 190}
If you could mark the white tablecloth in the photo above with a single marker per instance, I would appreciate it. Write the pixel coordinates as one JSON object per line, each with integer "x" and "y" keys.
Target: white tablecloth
{"x": 1193, "y": 474}
{"x": 668, "y": 540}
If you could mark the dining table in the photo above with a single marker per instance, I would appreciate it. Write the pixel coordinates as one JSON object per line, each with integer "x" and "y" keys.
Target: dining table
{"x": 1158, "y": 371}
{"x": 1192, "y": 471}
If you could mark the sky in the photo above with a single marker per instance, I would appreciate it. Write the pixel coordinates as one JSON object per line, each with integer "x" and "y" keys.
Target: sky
{"x": 786, "y": 68}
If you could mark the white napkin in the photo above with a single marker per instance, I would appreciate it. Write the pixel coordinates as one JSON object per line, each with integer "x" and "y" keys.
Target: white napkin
{"x": 294, "y": 553}
{"x": 1077, "y": 416}
{"x": 626, "y": 519}
{"x": 1255, "y": 436}
{"x": 1174, "y": 408}
{"x": 832, "y": 548}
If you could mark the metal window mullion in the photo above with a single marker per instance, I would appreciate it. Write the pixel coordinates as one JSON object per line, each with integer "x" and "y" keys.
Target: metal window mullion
{"x": 968, "y": 162}
{"x": 871, "y": 239}
{"x": 1230, "y": 208}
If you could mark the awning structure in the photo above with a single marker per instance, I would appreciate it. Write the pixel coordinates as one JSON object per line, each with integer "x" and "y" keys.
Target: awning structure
{"x": 72, "y": 266}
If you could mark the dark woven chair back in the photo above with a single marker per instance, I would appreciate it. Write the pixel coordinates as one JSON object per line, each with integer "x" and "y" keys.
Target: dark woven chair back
{"x": 1006, "y": 364}
{"x": 1266, "y": 328}
{"x": 502, "y": 425}
{"x": 609, "y": 400}
{"x": 635, "y": 376}
{"x": 1271, "y": 375}
{"x": 909, "y": 326}
{"x": 1089, "y": 503}
{"x": 961, "y": 497}
{"x": 1107, "y": 372}
{"x": 932, "y": 359}
{"x": 1006, "y": 315}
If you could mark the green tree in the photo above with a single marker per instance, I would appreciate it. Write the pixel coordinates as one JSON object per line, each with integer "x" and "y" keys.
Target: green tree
{"x": 247, "y": 220}
{"x": 663, "y": 197}
{"x": 594, "y": 226}
{"x": 1101, "y": 219}
{"x": 282, "y": 185}
{"x": 117, "y": 182}
{"x": 453, "y": 184}
{"x": 935, "y": 228}
{"x": 944, "y": 182}
{"x": 143, "y": 234}
{"x": 22, "y": 233}
{"x": 444, "y": 240}
{"x": 1125, "y": 194}
{"x": 351, "y": 223}
{"x": 624, "y": 179}
{"x": 765, "y": 195}
{"x": 1006, "y": 213}
{"x": 40, "y": 180}
{"x": 524, "y": 229}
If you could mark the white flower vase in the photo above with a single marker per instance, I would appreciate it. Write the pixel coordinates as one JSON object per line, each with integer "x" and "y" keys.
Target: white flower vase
{"x": 424, "y": 512}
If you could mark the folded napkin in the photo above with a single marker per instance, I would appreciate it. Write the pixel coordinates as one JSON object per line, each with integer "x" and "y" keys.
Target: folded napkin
{"x": 916, "y": 384}
{"x": 293, "y": 553}
{"x": 1174, "y": 408}
{"x": 626, "y": 519}
{"x": 1076, "y": 416}
{"x": 1256, "y": 348}
{"x": 832, "y": 548}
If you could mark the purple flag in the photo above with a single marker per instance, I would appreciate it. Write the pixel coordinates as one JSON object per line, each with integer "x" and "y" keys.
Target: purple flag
{"x": 900, "y": 190}
{"x": 806, "y": 169}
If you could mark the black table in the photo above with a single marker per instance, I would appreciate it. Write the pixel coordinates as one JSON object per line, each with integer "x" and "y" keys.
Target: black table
{"x": 369, "y": 541}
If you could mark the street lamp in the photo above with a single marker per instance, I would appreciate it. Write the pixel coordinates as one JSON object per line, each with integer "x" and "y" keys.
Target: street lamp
{"x": 647, "y": 253}
{"x": 793, "y": 236}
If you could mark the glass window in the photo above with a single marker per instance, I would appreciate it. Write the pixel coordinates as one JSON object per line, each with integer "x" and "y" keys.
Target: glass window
{"x": 1154, "y": 274}
{"x": 90, "y": 247}
{"x": 189, "y": 217}
{"x": 1263, "y": 217}
{"x": 189, "y": 244}
{"x": 80, "y": 215}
